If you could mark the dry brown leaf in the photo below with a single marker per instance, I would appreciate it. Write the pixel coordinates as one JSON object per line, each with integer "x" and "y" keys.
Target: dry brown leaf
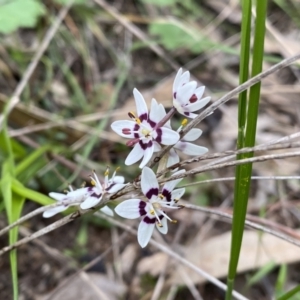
{"x": 88, "y": 286}
{"x": 153, "y": 264}
{"x": 128, "y": 257}
{"x": 213, "y": 254}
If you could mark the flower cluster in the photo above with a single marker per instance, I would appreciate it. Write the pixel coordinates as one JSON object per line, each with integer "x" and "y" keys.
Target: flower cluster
{"x": 147, "y": 130}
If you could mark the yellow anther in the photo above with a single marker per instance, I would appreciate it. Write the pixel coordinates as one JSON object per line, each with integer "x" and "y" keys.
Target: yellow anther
{"x": 132, "y": 116}
{"x": 176, "y": 200}
{"x": 106, "y": 173}
{"x": 159, "y": 225}
{"x": 93, "y": 182}
{"x": 161, "y": 196}
{"x": 184, "y": 122}
{"x": 174, "y": 221}
{"x": 118, "y": 168}
{"x": 152, "y": 212}
{"x": 83, "y": 184}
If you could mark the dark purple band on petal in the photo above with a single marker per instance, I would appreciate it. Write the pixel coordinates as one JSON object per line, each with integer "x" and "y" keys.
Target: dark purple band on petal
{"x": 143, "y": 117}
{"x": 136, "y": 128}
{"x": 152, "y": 192}
{"x": 159, "y": 134}
{"x": 148, "y": 220}
{"x": 167, "y": 195}
{"x": 142, "y": 206}
{"x": 110, "y": 186}
{"x": 152, "y": 123}
{"x": 95, "y": 195}
{"x": 144, "y": 146}
{"x": 187, "y": 113}
{"x": 193, "y": 99}
{"x": 90, "y": 188}
{"x": 174, "y": 95}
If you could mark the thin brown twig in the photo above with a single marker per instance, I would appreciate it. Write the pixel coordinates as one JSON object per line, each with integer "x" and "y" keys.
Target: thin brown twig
{"x": 291, "y": 236}
{"x": 232, "y": 152}
{"x": 233, "y": 178}
{"x": 230, "y": 164}
{"x": 14, "y": 100}
{"x": 202, "y": 169}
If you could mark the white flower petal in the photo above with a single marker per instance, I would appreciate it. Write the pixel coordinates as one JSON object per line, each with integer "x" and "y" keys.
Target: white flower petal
{"x": 157, "y": 146}
{"x": 185, "y": 92}
{"x": 190, "y": 149}
{"x": 155, "y": 112}
{"x": 90, "y": 202}
{"x": 189, "y": 115}
{"x": 58, "y": 196}
{"x": 105, "y": 209}
{"x": 118, "y": 179}
{"x": 135, "y": 155}
{"x": 147, "y": 156}
{"x": 192, "y": 135}
{"x": 168, "y": 136}
{"x": 164, "y": 228}
{"x": 114, "y": 187}
{"x": 162, "y": 113}
{"x": 119, "y": 127}
{"x": 131, "y": 209}
{"x": 141, "y": 106}
{"x": 169, "y": 186}
{"x": 173, "y": 158}
{"x": 199, "y": 91}
{"x": 144, "y": 233}
{"x": 180, "y": 80}
{"x": 176, "y": 80}
{"x": 149, "y": 183}
{"x": 53, "y": 211}
{"x": 177, "y": 194}
{"x": 197, "y": 105}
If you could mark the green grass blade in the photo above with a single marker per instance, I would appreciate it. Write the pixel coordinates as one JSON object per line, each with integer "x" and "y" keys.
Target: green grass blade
{"x": 30, "y": 159}
{"x": 242, "y": 113}
{"x": 13, "y": 205}
{"x": 244, "y": 69}
{"x": 20, "y": 189}
{"x": 290, "y": 293}
{"x": 243, "y": 172}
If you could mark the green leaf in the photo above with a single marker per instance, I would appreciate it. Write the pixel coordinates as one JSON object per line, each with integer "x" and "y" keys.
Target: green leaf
{"x": 13, "y": 205}
{"x": 160, "y": 2}
{"x": 19, "y": 13}
{"x": 31, "y": 164}
{"x": 175, "y": 35}
{"x": 293, "y": 292}
{"x": 247, "y": 130}
{"x": 261, "y": 273}
{"x": 23, "y": 191}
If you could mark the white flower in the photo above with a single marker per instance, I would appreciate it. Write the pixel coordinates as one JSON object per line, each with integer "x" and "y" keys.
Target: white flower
{"x": 144, "y": 130}
{"x": 186, "y": 95}
{"x": 74, "y": 196}
{"x": 98, "y": 189}
{"x": 152, "y": 210}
